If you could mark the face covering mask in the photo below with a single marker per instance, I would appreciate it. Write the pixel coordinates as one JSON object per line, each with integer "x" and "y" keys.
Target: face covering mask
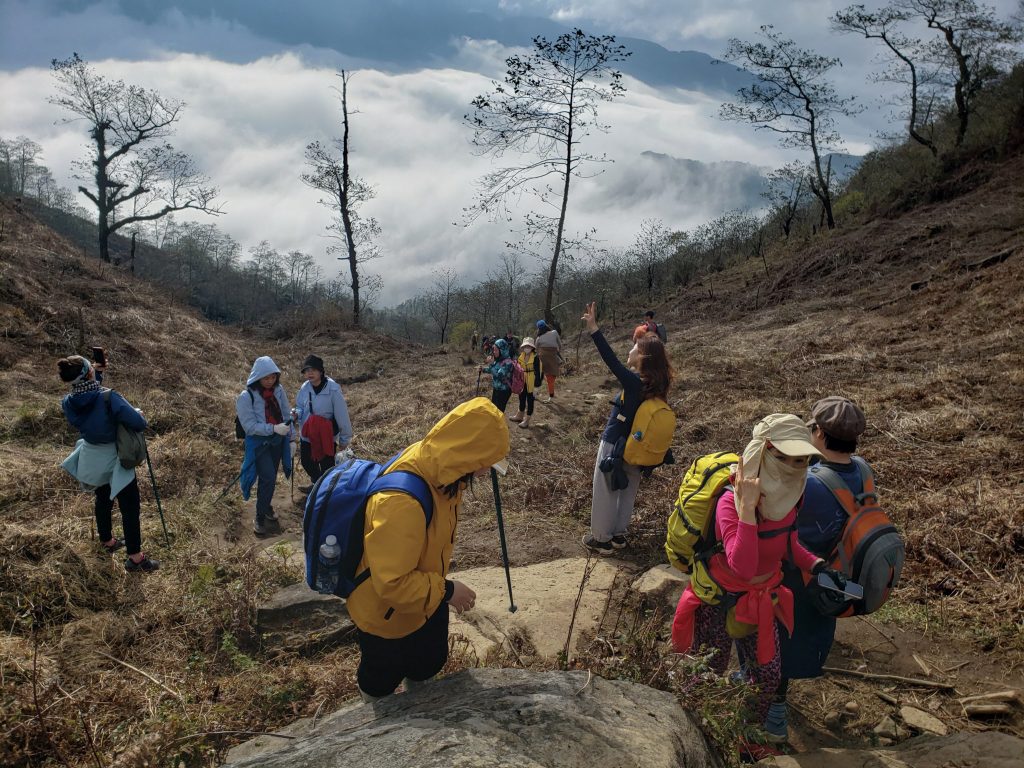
{"x": 781, "y": 486}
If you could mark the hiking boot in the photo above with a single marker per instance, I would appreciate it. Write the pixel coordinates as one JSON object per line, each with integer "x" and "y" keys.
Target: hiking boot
{"x": 145, "y": 565}
{"x": 619, "y": 542}
{"x": 601, "y": 547}
{"x": 259, "y": 527}
{"x": 776, "y": 729}
{"x": 517, "y": 417}
{"x": 525, "y": 423}
{"x": 117, "y": 544}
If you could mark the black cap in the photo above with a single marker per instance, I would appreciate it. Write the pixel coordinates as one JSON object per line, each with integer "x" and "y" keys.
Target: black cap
{"x": 312, "y": 362}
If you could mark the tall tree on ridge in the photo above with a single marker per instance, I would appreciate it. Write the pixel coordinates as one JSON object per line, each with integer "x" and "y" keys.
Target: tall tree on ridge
{"x": 542, "y": 111}
{"x": 131, "y": 164}
{"x": 791, "y": 98}
{"x": 343, "y": 195}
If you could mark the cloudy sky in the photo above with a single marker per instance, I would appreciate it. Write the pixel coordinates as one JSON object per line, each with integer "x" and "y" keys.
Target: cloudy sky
{"x": 256, "y": 76}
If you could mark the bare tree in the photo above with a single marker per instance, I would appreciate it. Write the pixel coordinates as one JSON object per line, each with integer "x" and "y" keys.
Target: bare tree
{"x": 884, "y": 25}
{"x": 441, "y": 298}
{"x": 132, "y": 165}
{"x": 543, "y": 110}
{"x": 786, "y": 192}
{"x": 973, "y": 48}
{"x": 650, "y": 248}
{"x": 510, "y": 275}
{"x": 343, "y": 195}
{"x": 792, "y": 98}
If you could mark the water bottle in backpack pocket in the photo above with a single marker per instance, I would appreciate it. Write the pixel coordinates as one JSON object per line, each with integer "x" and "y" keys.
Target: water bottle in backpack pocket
{"x": 329, "y": 568}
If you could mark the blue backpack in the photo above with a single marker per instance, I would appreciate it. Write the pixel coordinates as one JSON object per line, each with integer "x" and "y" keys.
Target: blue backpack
{"x": 337, "y": 507}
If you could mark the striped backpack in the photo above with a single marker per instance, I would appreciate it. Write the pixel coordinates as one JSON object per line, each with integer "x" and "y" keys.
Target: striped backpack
{"x": 870, "y": 551}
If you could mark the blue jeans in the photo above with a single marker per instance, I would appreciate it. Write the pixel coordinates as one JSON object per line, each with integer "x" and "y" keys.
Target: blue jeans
{"x": 268, "y": 460}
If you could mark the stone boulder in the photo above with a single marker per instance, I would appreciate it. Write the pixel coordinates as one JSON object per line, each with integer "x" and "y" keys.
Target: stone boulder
{"x": 963, "y": 750}
{"x": 298, "y": 620}
{"x": 662, "y": 584}
{"x": 500, "y": 718}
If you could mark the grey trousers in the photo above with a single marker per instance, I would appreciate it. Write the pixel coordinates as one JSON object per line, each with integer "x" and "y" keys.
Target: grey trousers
{"x": 610, "y": 511}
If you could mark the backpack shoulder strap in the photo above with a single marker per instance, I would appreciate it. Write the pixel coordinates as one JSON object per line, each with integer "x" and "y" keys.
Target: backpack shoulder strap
{"x": 867, "y": 477}
{"x": 106, "y": 399}
{"x": 406, "y": 482}
{"x": 840, "y": 490}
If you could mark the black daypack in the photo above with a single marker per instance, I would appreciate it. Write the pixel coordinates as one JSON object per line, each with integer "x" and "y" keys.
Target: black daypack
{"x": 239, "y": 429}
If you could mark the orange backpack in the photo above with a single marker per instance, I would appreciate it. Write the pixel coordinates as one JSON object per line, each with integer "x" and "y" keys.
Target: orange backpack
{"x": 870, "y": 551}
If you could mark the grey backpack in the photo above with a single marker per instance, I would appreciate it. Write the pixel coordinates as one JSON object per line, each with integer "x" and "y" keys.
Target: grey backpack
{"x": 131, "y": 445}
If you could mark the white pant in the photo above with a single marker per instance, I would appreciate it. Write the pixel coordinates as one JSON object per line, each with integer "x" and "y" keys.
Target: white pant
{"x": 610, "y": 511}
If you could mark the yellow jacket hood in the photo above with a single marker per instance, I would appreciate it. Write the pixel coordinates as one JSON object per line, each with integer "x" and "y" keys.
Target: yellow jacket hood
{"x": 473, "y": 435}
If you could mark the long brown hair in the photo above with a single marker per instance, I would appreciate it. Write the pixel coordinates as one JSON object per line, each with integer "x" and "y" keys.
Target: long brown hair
{"x": 654, "y": 368}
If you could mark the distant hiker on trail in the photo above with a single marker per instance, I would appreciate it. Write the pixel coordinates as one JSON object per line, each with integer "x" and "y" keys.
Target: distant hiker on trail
{"x": 836, "y": 423}
{"x": 531, "y": 367}
{"x": 401, "y": 610}
{"x": 94, "y": 462}
{"x": 647, "y": 374}
{"x": 262, "y": 409}
{"x": 473, "y": 341}
{"x": 549, "y": 348}
{"x": 499, "y": 365}
{"x": 737, "y": 595}
{"x": 485, "y": 345}
{"x": 649, "y": 326}
{"x": 322, "y": 416}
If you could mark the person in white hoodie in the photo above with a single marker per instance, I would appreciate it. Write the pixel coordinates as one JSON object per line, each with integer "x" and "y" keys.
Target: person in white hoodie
{"x": 320, "y": 397}
{"x": 263, "y": 411}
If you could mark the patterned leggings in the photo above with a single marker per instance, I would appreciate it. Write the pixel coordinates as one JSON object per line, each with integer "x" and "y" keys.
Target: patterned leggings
{"x": 709, "y": 630}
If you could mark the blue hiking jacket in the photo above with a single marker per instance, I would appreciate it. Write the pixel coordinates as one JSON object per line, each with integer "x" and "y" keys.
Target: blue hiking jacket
{"x": 87, "y": 412}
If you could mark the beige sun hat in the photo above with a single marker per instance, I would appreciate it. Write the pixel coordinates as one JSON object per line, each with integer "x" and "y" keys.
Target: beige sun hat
{"x": 528, "y": 342}
{"x": 786, "y": 432}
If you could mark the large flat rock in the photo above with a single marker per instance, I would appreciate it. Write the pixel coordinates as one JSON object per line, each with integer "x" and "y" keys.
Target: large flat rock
{"x": 545, "y": 595}
{"x": 299, "y": 620}
{"x": 502, "y": 718}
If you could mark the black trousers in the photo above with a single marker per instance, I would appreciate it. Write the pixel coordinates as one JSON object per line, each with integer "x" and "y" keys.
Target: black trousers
{"x": 128, "y": 502}
{"x": 500, "y": 398}
{"x": 418, "y": 656}
{"x": 314, "y": 469}
{"x": 526, "y": 401}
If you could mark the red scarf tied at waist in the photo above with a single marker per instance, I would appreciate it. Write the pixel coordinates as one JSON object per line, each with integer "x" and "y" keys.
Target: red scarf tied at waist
{"x": 755, "y": 606}
{"x": 320, "y": 433}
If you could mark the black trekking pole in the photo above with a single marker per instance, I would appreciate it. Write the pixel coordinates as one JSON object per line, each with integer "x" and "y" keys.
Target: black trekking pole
{"x": 479, "y": 373}
{"x": 501, "y": 535}
{"x": 156, "y": 495}
{"x": 237, "y": 477}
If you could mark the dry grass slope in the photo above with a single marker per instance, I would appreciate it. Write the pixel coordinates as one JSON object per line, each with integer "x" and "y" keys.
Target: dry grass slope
{"x": 917, "y": 318}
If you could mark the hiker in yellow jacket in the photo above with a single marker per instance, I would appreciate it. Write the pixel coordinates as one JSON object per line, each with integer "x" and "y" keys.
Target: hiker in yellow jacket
{"x": 531, "y": 367}
{"x": 401, "y": 611}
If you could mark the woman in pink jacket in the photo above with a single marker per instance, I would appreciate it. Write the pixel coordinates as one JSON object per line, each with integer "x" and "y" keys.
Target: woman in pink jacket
{"x": 738, "y": 594}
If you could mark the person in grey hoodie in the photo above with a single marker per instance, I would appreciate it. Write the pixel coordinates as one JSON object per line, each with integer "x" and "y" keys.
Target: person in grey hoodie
{"x": 94, "y": 463}
{"x": 320, "y": 396}
{"x": 263, "y": 411}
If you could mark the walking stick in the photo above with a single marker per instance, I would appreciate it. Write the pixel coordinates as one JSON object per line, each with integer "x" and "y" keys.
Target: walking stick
{"x": 501, "y": 536}
{"x": 479, "y": 373}
{"x": 156, "y": 495}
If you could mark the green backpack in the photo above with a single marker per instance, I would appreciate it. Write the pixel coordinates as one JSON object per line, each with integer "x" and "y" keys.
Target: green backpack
{"x": 131, "y": 445}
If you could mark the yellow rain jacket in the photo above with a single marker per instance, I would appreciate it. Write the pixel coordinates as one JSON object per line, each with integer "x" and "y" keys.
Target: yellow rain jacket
{"x": 408, "y": 561}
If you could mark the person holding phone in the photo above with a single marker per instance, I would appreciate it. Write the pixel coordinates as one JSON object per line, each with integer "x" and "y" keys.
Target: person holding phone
{"x": 835, "y": 425}
{"x": 737, "y": 596}
{"x": 95, "y": 413}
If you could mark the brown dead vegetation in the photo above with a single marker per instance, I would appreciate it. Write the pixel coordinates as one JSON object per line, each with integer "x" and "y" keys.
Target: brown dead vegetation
{"x": 100, "y": 668}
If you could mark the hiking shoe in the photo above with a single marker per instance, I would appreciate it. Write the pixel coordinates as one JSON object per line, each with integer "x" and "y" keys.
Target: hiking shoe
{"x": 601, "y": 547}
{"x": 259, "y": 527}
{"x": 619, "y": 542}
{"x": 145, "y": 565}
{"x": 118, "y": 543}
{"x": 517, "y": 417}
{"x": 776, "y": 729}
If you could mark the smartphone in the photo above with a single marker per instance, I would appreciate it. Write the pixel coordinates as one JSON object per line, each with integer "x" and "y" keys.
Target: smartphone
{"x": 99, "y": 356}
{"x": 852, "y": 590}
